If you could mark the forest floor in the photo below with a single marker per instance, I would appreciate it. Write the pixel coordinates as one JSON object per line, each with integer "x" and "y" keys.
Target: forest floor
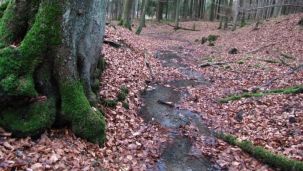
{"x": 268, "y": 58}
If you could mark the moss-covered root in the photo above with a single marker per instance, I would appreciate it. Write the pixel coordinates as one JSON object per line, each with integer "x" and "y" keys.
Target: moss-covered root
{"x": 289, "y": 90}
{"x": 3, "y": 7}
{"x": 17, "y": 65}
{"x": 13, "y": 23}
{"x": 29, "y": 120}
{"x": 276, "y": 161}
{"x": 87, "y": 122}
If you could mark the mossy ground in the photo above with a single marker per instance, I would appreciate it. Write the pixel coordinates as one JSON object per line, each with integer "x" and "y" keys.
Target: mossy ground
{"x": 290, "y": 90}
{"x": 210, "y": 38}
{"x": 121, "y": 97}
{"x": 276, "y": 161}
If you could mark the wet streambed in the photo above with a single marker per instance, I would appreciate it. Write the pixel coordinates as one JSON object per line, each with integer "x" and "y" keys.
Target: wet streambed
{"x": 160, "y": 103}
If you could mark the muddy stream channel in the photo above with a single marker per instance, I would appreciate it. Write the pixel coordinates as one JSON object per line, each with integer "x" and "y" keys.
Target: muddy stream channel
{"x": 159, "y": 106}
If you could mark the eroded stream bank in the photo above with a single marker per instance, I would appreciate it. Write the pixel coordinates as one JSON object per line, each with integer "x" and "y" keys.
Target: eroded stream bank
{"x": 160, "y": 106}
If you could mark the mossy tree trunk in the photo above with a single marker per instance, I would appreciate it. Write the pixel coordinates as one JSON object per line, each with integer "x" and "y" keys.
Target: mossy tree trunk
{"x": 50, "y": 62}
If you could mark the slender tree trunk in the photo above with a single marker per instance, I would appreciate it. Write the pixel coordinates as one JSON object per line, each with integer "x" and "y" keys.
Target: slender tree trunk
{"x": 126, "y": 15}
{"x": 177, "y": 14}
{"x": 51, "y": 74}
{"x": 212, "y": 11}
{"x": 159, "y": 10}
{"x": 236, "y": 15}
{"x": 142, "y": 18}
{"x": 166, "y": 11}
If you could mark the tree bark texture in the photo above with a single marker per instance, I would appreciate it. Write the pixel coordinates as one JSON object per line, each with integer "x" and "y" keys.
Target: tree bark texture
{"x": 50, "y": 62}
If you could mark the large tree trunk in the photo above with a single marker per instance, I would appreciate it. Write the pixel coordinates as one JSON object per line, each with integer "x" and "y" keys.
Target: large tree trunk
{"x": 50, "y": 62}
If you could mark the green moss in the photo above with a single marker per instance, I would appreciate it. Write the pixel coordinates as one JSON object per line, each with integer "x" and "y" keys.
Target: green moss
{"x": 87, "y": 122}
{"x": 13, "y": 79}
{"x": 240, "y": 62}
{"x": 289, "y": 90}
{"x": 96, "y": 85}
{"x": 109, "y": 103}
{"x": 102, "y": 65}
{"x": 125, "y": 105}
{"x": 228, "y": 138}
{"x": 212, "y": 38}
{"x": 3, "y": 7}
{"x": 243, "y": 23}
{"x": 257, "y": 65}
{"x": 124, "y": 89}
{"x": 127, "y": 24}
{"x": 6, "y": 35}
{"x": 30, "y": 120}
{"x": 122, "y": 95}
{"x": 17, "y": 65}
{"x": 276, "y": 161}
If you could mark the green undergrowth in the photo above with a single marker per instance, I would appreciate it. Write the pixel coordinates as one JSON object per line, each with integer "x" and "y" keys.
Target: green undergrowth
{"x": 265, "y": 156}
{"x": 121, "y": 97}
{"x": 289, "y": 90}
{"x": 211, "y": 39}
{"x": 87, "y": 122}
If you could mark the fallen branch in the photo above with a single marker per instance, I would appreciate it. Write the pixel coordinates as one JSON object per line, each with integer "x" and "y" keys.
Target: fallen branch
{"x": 284, "y": 55}
{"x": 285, "y": 63}
{"x": 170, "y": 104}
{"x": 260, "y": 48}
{"x": 269, "y": 61}
{"x": 112, "y": 43}
{"x": 274, "y": 160}
{"x": 182, "y": 28}
{"x": 213, "y": 64}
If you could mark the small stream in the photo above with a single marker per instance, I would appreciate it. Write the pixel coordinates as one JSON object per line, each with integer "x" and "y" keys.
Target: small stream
{"x": 160, "y": 103}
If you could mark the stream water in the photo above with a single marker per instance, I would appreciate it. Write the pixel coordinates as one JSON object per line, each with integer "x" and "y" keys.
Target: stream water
{"x": 159, "y": 106}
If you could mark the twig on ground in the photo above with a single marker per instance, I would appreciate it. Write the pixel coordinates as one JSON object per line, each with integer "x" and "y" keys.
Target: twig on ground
{"x": 213, "y": 64}
{"x": 170, "y": 104}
